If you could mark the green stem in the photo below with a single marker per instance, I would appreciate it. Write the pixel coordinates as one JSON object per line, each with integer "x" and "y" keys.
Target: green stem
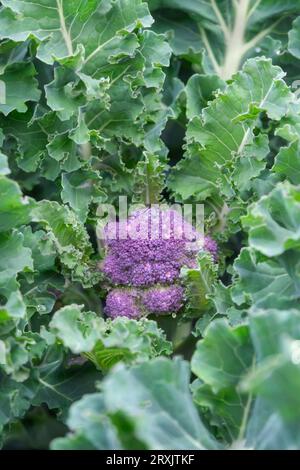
{"x": 63, "y": 27}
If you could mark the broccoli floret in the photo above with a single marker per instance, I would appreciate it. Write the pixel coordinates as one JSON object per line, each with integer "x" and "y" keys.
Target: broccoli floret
{"x": 122, "y": 303}
{"x": 163, "y": 299}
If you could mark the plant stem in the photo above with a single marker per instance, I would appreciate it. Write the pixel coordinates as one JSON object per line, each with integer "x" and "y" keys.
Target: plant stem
{"x": 210, "y": 51}
{"x": 222, "y": 23}
{"x": 63, "y": 27}
{"x": 235, "y": 44}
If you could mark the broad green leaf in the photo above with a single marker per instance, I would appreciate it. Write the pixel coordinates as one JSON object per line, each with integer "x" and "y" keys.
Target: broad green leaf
{"x": 30, "y": 151}
{"x": 276, "y": 338}
{"x": 33, "y": 133}
{"x": 59, "y": 385}
{"x": 12, "y": 312}
{"x": 158, "y": 409}
{"x": 251, "y": 162}
{"x": 129, "y": 341}
{"x": 220, "y": 361}
{"x": 243, "y": 374}
{"x": 289, "y": 128}
{"x": 122, "y": 118}
{"x": 200, "y": 90}
{"x": 51, "y": 382}
{"x": 66, "y": 93}
{"x": 156, "y": 52}
{"x": 21, "y": 86}
{"x": 266, "y": 430}
{"x": 91, "y": 428}
{"x": 223, "y": 355}
{"x": 149, "y": 179}
{"x": 15, "y": 399}
{"x": 42, "y": 249}
{"x": 95, "y": 74}
{"x": 267, "y": 282}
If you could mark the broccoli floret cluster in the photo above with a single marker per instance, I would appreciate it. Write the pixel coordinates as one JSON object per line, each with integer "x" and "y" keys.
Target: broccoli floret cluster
{"x": 145, "y": 254}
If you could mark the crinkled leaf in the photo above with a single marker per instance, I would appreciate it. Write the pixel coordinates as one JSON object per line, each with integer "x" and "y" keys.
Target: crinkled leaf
{"x": 70, "y": 238}
{"x": 108, "y": 342}
{"x": 20, "y": 87}
{"x": 217, "y": 136}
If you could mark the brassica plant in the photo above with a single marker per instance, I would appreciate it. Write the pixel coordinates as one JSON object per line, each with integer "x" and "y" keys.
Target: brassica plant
{"x": 164, "y": 103}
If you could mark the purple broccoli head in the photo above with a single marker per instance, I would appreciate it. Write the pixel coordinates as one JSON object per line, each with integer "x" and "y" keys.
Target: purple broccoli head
{"x": 145, "y": 255}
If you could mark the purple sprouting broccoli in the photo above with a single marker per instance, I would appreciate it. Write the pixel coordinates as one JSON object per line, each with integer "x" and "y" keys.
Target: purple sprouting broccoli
{"x": 145, "y": 254}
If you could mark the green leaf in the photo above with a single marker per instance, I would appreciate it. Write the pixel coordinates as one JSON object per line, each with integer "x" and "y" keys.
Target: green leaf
{"x": 14, "y": 309}
{"x": 262, "y": 280}
{"x": 223, "y": 355}
{"x": 108, "y": 342}
{"x": 15, "y": 209}
{"x": 62, "y": 95}
{"x": 294, "y": 39}
{"x": 200, "y": 90}
{"x": 59, "y": 385}
{"x": 14, "y": 258}
{"x": 129, "y": 341}
{"x": 274, "y": 221}
{"x": 95, "y": 431}
{"x": 287, "y": 162}
{"x": 276, "y": 335}
{"x": 42, "y": 249}
{"x": 20, "y": 87}
{"x": 226, "y": 33}
{"x": 243, "y": 375}
{"x": 157, "y": 53}
{"x": 214, "y": 138}
{"x": 80, "y": 189}
{"x": 251, "y": 162}
{"x": 220, "y": 361}
{"x": 199, "y": 283}
{"x": 70, "y": 238}
{"x": 158, "y": 409}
